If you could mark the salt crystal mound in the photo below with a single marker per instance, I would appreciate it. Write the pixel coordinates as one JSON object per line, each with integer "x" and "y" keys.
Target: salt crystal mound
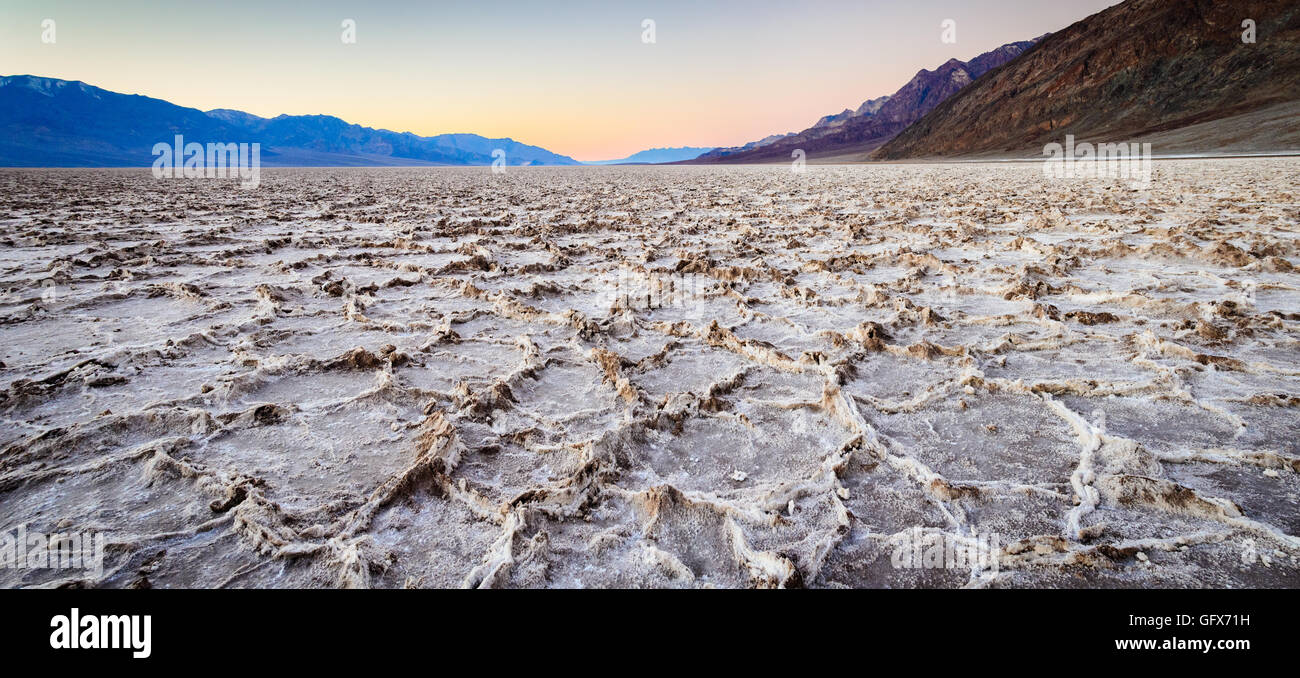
{"x": 655, "y": 377}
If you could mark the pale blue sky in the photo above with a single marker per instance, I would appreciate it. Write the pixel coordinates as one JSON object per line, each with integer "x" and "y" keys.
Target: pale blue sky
{"x": 574, "y": 77}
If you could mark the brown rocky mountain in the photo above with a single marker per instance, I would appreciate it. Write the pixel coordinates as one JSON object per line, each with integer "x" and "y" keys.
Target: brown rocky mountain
{"x": 1173, "y": 72}
{"x": 868, "y": 107}
{"x": 877, "y": 120}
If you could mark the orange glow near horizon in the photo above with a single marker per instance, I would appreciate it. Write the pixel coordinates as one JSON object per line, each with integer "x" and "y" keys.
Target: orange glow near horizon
{"x": 575, "y": 78}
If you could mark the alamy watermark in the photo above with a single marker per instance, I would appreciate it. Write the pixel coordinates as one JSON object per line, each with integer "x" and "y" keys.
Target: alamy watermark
{"x": 641, "y": 289}
{"x": 1256, "y": 554}
{"x": 919, "y": 549}
{"x": 195, "y": 161}
{"x": 20, "y": 549}
{"x": 1130, "y": 161}
{"x": 77, "y": 631}
{"x": 1248, "y": 289}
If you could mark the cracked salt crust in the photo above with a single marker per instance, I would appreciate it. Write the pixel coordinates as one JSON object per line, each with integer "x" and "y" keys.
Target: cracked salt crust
{"x": 456, "y": 378}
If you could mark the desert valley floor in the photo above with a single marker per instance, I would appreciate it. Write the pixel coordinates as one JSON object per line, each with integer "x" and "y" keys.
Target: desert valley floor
{"x": 637, "y": 376}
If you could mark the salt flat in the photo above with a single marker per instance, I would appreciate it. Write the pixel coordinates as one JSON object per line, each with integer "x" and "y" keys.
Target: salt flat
{"x": 655, "y": 376}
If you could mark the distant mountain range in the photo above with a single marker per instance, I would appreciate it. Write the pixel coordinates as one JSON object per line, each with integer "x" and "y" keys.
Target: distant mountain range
{"x": 876, "y": 121}
{"x": 59, "y": 123}
{"x": 655, "y": 155}
{"x": 1174, "y": 72}
{"x": 1177, "y": 73}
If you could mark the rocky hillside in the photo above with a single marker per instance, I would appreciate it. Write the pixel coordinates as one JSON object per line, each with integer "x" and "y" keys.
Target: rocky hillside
{"x": 877, "y": 120}
{"x": 1139, "y": 70}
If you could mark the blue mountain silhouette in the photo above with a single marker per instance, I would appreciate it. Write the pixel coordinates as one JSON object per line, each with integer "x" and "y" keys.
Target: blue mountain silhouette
{"x": 61, "y": 123}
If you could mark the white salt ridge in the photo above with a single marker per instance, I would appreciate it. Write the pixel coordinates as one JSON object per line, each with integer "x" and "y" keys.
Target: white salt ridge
{"x": 443, "y": 383}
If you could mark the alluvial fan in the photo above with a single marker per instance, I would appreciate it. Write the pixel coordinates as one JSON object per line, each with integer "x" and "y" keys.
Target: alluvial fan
{"x": 686, "y": 376}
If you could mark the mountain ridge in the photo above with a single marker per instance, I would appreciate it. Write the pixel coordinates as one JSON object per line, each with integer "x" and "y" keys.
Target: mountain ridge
{"x": 1140, "y": 69}
{"x": 69, "y": 123}
{"x": 656, "y": 155}
{"x": 876, "y": 120}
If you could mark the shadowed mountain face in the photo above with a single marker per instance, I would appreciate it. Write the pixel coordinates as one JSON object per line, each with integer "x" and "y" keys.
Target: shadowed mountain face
{"x": 47, "y": 122}
{"x": 58, "y": 123}
{"x": 877, "y": 120}
{"x": 1140, "y": 69}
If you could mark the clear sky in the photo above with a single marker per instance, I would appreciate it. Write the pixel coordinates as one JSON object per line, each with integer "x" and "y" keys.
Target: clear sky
{"x": 573, "y": 77}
